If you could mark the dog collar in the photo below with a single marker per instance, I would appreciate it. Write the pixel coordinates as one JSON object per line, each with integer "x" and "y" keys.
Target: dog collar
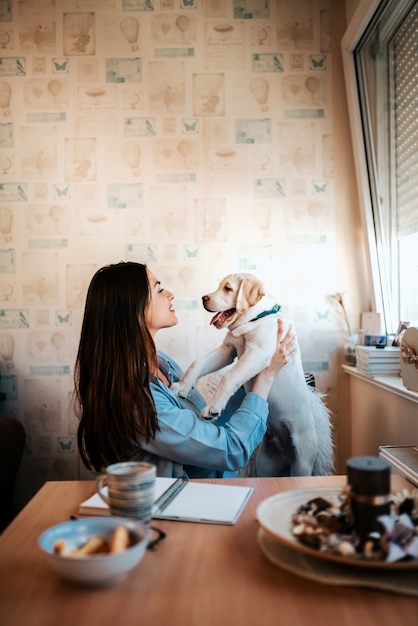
{"x": 275, "y": 309}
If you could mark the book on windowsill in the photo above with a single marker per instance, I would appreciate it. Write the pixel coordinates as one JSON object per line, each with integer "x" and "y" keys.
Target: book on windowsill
{"x": 383, "y": 361}
{"x": 374, "y": 372}
{"x": 385, "y": 368}
{"x": 214, "y": 503}
{"x": 379, "y": 373}
{"x": 377, "y": 355}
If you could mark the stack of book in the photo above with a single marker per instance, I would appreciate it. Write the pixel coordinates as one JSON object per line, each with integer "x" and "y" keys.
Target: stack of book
{"x": 378, "y": 361}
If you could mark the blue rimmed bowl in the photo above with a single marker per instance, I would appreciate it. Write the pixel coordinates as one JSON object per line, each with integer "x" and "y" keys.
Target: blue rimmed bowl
{"x": 94, "y": 570}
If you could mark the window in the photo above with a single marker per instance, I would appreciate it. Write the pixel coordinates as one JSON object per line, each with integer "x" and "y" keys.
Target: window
{"x": 383, "y": 75}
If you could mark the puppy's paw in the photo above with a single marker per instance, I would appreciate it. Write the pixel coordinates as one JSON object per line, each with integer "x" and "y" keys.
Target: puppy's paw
{"x": 180, "y": 389}
{"x": 211, "y": 411}
{"x": 208, "y": 414}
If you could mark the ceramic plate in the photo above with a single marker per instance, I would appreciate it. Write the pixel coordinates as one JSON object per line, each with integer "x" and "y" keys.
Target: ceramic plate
{"x": 275, "y": 517}
{"x": 403, "y": 581}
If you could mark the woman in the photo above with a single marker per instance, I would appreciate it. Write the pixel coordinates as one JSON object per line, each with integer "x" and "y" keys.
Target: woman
{"x": 126, "y": 407}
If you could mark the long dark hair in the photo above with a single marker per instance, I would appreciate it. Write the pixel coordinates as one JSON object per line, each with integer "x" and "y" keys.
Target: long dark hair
{"x": 115, "y": 362}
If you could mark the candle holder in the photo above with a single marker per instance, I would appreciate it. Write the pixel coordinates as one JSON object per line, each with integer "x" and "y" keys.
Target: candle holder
{"x": 368, "y": 478}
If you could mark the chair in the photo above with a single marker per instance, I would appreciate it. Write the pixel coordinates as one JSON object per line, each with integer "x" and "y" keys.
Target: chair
{"x": 310, "y": 379}
{"x": 12, "y": 442}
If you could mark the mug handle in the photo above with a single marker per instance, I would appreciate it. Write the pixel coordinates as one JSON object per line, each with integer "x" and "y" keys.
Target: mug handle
{"x": 100, "y": 485}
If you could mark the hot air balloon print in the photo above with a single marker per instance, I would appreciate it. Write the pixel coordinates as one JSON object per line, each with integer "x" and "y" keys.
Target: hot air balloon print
{"x": 131, "y": 152}
{"x": 259, "y": 88}
{"x": 129, "y": 27}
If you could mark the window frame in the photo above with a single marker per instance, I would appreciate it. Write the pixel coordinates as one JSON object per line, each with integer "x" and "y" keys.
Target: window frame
{"x": 378, "y": 218}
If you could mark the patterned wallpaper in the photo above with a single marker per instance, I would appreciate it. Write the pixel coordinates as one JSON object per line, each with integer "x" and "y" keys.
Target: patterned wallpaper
{"x": 193, "y": 135}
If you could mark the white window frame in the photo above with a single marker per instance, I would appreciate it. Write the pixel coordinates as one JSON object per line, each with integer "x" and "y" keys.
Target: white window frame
{"x": 352, "y": 36}
{"x": 380, "y": 232}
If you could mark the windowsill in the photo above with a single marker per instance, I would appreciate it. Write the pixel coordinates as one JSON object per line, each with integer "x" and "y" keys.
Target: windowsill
{"x": 393, "y": 384}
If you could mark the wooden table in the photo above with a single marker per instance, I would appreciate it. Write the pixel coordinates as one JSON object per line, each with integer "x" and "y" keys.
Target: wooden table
{"x": 202, "y": 575}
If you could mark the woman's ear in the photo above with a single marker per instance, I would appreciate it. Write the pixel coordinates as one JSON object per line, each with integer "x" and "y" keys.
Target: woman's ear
{"x": 250, "y": 292}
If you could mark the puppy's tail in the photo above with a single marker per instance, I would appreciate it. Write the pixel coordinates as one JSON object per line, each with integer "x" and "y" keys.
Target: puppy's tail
{"x": 324, "y": 460}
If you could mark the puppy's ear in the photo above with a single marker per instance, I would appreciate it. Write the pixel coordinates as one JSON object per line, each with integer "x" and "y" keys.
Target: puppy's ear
{"x": 250, "y": 292}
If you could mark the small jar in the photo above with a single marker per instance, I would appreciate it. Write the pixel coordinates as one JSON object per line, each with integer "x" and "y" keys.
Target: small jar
{"x": 369, "y": 480}
{"x": 349, "y": 350}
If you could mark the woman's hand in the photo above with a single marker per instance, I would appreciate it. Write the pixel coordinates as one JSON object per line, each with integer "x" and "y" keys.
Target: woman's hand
{"x": 285, "y": 351}
{"x": 285, "y": 348}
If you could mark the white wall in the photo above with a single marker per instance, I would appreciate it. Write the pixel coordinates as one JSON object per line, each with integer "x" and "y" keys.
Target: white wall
{"x": 205, "y": 143}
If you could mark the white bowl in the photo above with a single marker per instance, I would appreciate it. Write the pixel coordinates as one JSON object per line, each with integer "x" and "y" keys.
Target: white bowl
{"x": 94, "y": 570}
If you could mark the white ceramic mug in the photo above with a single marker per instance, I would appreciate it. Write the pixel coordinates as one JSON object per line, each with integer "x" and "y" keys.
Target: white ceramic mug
{"x": 130, "y": 489}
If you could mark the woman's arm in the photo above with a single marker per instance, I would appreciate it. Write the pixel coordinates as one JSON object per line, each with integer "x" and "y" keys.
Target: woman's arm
{"x": 184, "y": 438}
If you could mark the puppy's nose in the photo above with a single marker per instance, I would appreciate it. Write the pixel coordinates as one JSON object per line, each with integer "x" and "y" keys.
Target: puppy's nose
{"x": 205, "y": 299}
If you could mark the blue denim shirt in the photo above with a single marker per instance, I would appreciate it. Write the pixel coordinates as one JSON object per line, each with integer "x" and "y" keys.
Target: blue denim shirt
{"x": 186, "y": 445}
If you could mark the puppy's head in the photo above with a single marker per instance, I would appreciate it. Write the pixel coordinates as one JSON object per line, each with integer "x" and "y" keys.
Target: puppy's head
{"x": 235, "y": 294}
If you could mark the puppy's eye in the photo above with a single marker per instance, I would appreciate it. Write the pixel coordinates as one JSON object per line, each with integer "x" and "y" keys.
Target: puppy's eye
{"x": 228, "y": 288}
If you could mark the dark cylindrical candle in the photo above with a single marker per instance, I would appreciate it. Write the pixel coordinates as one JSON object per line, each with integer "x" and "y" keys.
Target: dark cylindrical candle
{"x": 369, "y": 481}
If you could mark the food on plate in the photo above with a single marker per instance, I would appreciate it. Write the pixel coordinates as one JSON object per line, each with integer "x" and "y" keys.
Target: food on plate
{"x": 118, "y": 541}
{"x": 326, "y": 524}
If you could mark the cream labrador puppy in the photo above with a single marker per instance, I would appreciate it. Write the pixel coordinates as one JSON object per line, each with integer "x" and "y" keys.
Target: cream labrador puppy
{"x": 243, "y": 306}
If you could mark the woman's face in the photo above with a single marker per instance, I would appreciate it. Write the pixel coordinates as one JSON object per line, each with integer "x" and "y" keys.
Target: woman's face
{"x": 159, "y": 313}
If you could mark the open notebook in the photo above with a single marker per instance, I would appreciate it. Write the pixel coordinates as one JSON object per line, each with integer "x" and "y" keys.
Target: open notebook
{"x": 214, "y": 503}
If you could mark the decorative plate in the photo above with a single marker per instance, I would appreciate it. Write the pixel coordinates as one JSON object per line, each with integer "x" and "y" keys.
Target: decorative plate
{"x": 275, "y": 517}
